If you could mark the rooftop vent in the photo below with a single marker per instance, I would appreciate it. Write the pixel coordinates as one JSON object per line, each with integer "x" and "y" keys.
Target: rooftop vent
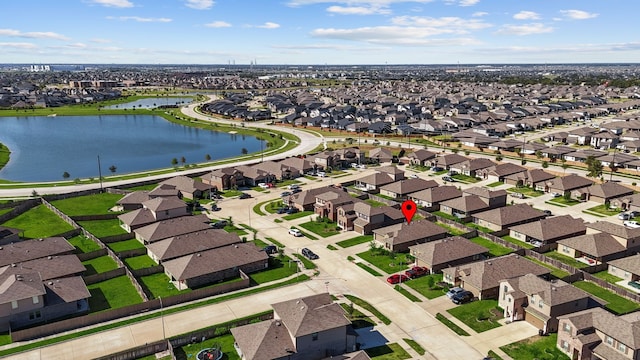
{"x": 198, "y": 255}
{"x": 50, "y": 283}
{"x": 49, "y": 257}
{"x": 13, "y": 265}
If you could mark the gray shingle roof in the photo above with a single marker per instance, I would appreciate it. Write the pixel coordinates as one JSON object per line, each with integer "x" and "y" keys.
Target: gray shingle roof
{"x": 446, "y": 250}
{"x": 597, "y": 245}
{"x": 552, "y": 228}
{"x": 629, "y": 263}
{"x": 507, "y": 215}
{"x": 33, "y": 249}
{"x": 312, "y": 314}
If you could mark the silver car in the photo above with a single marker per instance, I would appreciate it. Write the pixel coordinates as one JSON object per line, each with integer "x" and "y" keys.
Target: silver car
{"x": 453, "y": 291}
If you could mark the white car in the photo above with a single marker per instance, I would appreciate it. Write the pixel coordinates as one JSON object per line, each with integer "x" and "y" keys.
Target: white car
{"x": 322, "y": 174}
{"x": 295, "y": 232}
{"x": 631, "y": 224}
{"x": 293, "y": 186}
{"x": 263, "y": 186}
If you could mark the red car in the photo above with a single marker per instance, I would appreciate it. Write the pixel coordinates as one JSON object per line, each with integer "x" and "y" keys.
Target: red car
{"x": 416, "y": 271}
{"x": 397, "y": 278}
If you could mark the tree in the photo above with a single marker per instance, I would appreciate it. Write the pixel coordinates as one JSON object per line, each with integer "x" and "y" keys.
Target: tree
{"x": 183, "y": 160}
{"x": 174, "y": 161}
{"x": 431, "y": 282}
{"x": 113, "y": 169}
{"x": 564, "y": 166}
{"x": 545, "y": 164}
{"x": 207, "y": 157}
{"x": 499, "y": 158}
{"x": 539, "y": 154}
{"x": 594, "y": 166}
{"x": 65, "y": 175}
{"x": 244, "y": 151}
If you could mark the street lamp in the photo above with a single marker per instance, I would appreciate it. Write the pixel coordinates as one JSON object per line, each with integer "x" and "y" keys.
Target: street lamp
{"x": 162, "y": 317}
{"x": 612, "y": 164}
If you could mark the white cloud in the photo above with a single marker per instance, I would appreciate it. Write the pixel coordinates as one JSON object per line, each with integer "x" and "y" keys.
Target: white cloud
{"x": 392, "y": 35}
{"x": 139, "y": 19}
{"x": 479, "y": 14}
{"x": 114, "y": 3}
{"x": 442, "y": 25}
{"x": 578, "y": 14}
{"x": 367, "y": 3}
{"x": 526, "y": 15}
{"x": 17, "y": 45}
{"x": 268, "y": 25}
{"x": 200, "y": 4}
{"x": 461, "y": 2}
{"x": 218, "y": 24}
{"x": 527, "y": 29}
{"x": 101, "y": 41}
{"x": 33, "y": 34}
{"x": 358, "y": 10}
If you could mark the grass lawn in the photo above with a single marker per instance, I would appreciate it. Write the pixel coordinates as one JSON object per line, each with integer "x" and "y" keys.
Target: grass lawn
{"x": 384, "y": 262}
{"x": 479, "y": 228}
{"x": 143, "y": 187}
{"x": 566, "y": 259}
{"x": 99, "y": 265}
{"x": 39, "y": 222}
{"x": 451, "y": 325}
{"x": 480, "y": 315}
{"x": 616, "y": 304}
{"x": 358, "y": 318}
{"x": 451, "y": 230}
{"x": 365, "y": 305}
{"x": 84, "y": 244}
{"x": 234, "y": 229}
{"x": 125, "y": 245}
{"x": 526, "y": 191}
{"x": 554, "y": 270}
{"x": 494, "y": 249}
{"x": 604, "y": 275}
{"x": 139, "y": 262}
{"x": 297, "y": 215}
{"x": 103, "y": 228}
{"x": 561, "y": 200}
{"x": 421, "y": 285}
{"x": 375, "y": 203}
{"x": 495, "y": 184}
{"x": 323, "y": 228}
{"x": 272, "y": 206}
{"x": 406, "y": 293}
{"x": 331, "y": 247}
{"x": 158, "y": 285}
{"x": 278, "y": 269}
{"x": 4, "y": 211}
{"x": 285, "y": 183}
{"x": 230, "y": 193}
{"x": 446, "y": 216}
{"x": 275, "y": 242}
{"x": 308, "y": 264}
{"x": 604, "y": 210}
{"x": 225, "y": 342}
{"x": 415, "y": 346}
{"x": 534, "y": 348}
{"x": 391, "y": 351}
{"x": 368, "y": 269}
{"x": 515, "y": 241}
{"x": 96, "y": 204}
{"x": 112, "y": 294}
{"x": 465, "y": 179}
{"x": 355, "y": 241}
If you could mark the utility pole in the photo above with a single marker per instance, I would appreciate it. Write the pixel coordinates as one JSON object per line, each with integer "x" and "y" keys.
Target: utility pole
{"x": 100, "y": 174}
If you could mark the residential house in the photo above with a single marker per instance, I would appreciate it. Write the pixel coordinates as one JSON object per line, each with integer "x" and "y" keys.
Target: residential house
{"x": 566, "y": 184}
{"x": 556, "y": 152}
{"x": 133, "y": 200}
{"x": 171, "y": 227}
{"x": 534, "y": 178}
{"x": 474, "y": 200}
{"x": 581, "y": 136}
{"x": 164, "y": 190}
{"x": 214, "y": 265}
{"x": 430, "y": 199}
{"x": 472, "y": 167}
{"x": 483, "y": 278}
{"x": 604, "y": 140}
{"x": 596, "y": 334}
{"x": 502, "y": 218}
{"x": 602, "y": 193}
{"x": 364, "y": 218}
{"x": 327, "y": 204}
{"x": 278, "y": 170}
{"x": 306, "y": 199}
{"x": 224, "y": 179}
{"x": 191, "y": 243}
{"x": 451, "y": 251}
{"x": 420, "y": 157}
{"x": 191, "y": 188}
{"x": 302, "y": 165}
{"x": 253, "y": 176}
{"x": 383, "y": 176}
{"x": 9, "y": 235}
{"x": 499, "y": 172}
{"x": 401, "y": 189}
{"x": 592, "y": 249}
{"x": 399, "y": 237}
{"x": 153, "y": 210}
{"x": 549, "y": 230}
{"x": 446, "y": 161}
{"x": 309, "y": 328}
{"x": 540, "y": 302}
{"x": 627, "y": 268}
{"x": 624, "y": 203}
{"x": 53, "y": 266}
{"x": 380, "y": 155}
{"x": 26, "y": 250}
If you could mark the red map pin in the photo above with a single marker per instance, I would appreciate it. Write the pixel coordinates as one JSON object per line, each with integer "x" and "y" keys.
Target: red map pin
{"x": 408, "y": 209}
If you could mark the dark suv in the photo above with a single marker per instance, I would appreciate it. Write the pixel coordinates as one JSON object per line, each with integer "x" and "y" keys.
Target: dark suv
{"x": 462, "y": 297}
{"x": 220, "y": 224}
{"x": 309, "y": 254}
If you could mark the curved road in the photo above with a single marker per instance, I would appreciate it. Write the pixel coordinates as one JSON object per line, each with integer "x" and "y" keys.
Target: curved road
{"x": 307, "y": 143}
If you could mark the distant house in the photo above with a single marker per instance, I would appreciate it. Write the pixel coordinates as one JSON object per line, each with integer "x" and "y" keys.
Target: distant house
{"x": 224, "y": 179}
{"x": 253, "y": 176}
{"x": 592, "y": 249}
{"x": 446, "y": 161}
{"x": 191, "y": 243}
{"x": 306, "y": 199}
{"x": 191, "y": 188}
{"x": 153, "y": 210}
{"x": 540, "y": 302}
{"x": 364, "y": 218}
{"x": 133, "y": 200}
{"x": 420, "y": 157}
{"x": 534, "y": 178}
{"x": 627, "y": 268}
{"x": 450, "y": 251}
{"x": 549, "y": 230}
{"x": 401, "y": 189}
{"x": 472, "y": 167}
{"x": 381, "y": 155}
{"x": 430, "y": 199}
{"x": 399, "y": 237}
{"x": 327, "y": 204}
{"x": 383, "y": 176}
{"x": 502, "y": 218}
{"x": 474, "y": 200}
{"x": 501, "y": 171}
{"x": 309, "y": 328}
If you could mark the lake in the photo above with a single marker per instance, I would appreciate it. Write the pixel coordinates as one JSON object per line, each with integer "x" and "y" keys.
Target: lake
{"x": 151, "y": 103}
{"x": 43, "y": 148}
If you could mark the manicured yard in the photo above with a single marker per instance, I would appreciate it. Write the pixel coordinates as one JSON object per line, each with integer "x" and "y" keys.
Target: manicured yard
{"x": 355, "y": 241}
{"x": 84, "y": 244}
{"x": 446, "y": 216}
{"x": 375, "y": 203}
{"x": 4, "y": 211}
{"x": 495, "y": 184}
{"x": 558, "y": 273}
{"x": 465, "y": 179}
{"x": 230, "y": 193}
{"x": 479, "y": 315}
{"x": 272, "y": 207}
{"x": 368, "y": 269}
{"x": 365, "y": 305}
{"x": 139, "y": 262}
{"x": 103, "y": 228}
{"x": 112, "y": 294}
{"x": 451, "y": 230}
{"x": 534, "y": 348}
{"x": 125, "y": 245}
{"x": 565, "y": 259}
{"x": 297, "y": 215}
{"x": 278, "y": 269}
{"x": 616, "y": 304}
{"x": 323, "y": 228}
{"x": 358, "y": 319}
{"x": 526, "y": 191}
{"x": 421, "y": 285}
{"x": 515, "y": 241}
{"x": 96, "y": 204}
{"x": 561, "y": 200}
{"x": 604, "y": 275}
{"x": 225, "y": 342}
{"x": 143, "y": 187}
{"x": 158, "y": 285}
{"x": 415, "y": 346}
{"x": 384, "y": 262}
{"x": 406, "y": 293}
{"x": 391, "y": 351}
{"x": 99, "y": 265}
{"x": 308, "y": 264}
{"x": 494, "y": 249}
{"x": 604, "y": 210}
{"x": 479, "y": 228}
{"x": 451, "y": 325}
{"x": 39, "y": 222}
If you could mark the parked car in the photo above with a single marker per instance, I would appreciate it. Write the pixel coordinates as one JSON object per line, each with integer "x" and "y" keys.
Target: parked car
{"x": 285, "y": 194}
{"x": 462, "y": 297}
{"x": 453, "y": 291}
{"x": 263, "y": 186}
{"x": 309, "y": 254}
{"x": 362, "y": 166}
{"x": 448, "y": 178}
{"x": 623, "y": 216}
{"x": 244, "y": 196}
{"x": 283, "y": 210}
{"x": 292, "y": 210}
{"x": 547, "y": 212}
{"x": 322, "y": 174}
{"x": 414, "y": 176}
{"x": 296, "y": 190}
{"x": 270, "y": 249}
{"x": 436, "y": 168}
{"x": 295, "y": 232}
{"x": 555, "y": 194}
{"x": 416, "y": 271}
{"x": 517, "y": 195}
{"x": 536, "y": 243}
{"x": 293, "y": 186}
{"x": 220, "y": 224}
{"x": 633, "y": 214}
{"x": 354, "y": 165}
{"x": 631, "y": 223}
{"x": 397, "y": 278}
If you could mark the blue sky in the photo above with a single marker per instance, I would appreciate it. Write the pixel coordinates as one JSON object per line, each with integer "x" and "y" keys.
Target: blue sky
{"x": 319, "y": 31}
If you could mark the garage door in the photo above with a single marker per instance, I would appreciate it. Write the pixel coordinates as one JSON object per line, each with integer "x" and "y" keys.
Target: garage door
{"x": 531, "y": 319}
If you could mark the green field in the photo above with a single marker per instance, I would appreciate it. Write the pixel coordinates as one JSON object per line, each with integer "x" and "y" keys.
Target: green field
{"x": 324, "y": 228}
{"x": 158, "y": 285}
{"x": 99, "y": 265}
{"x": 481, "y": 315}
{"x": 535, "y": 348}
{"x": 355, "y": 241}
{"x": 139, "y": 262}
{"x": 385, "y": 262}
{"x": 125, "y": 245}
{"x": 615, "y": 303}
{"x": 39, "y": 222}
{"x": 103, "y": 228}
{"x": 494, "y": 249}
{"x": 421, "y": 285}
{"x": 278, "y": 269}
{"x": 112, "y": 294}
{"x": 84, "y": 244}
{"x": 96, "y": 204}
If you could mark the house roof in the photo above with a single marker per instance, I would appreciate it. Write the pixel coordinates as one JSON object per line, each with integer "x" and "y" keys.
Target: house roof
{"x": 17, "y": 284}
{"x": 308, "y": 197}
{"x": 136, "y": 197}
{"x": 532, "y": 175}
{"x": 376, "y": 179}
{"x": 597, "y": 245}
{"x": 137, "y": 217}
{"x": 421, "y": 155}
{"x": 67, "y": 290}
{"x": 33, "y": 249}
{"x": 311, "y": 314}
{"x": 214, "y": 260}
{"x": 450, "y": 159}
{"x": 264, "y": 340}
{"x": 505, "y": 169}
{"x": 186, "y": 184}
{"x": 551, "y": 228}
{"x": 552, "y": 293}
{"x": 164, "y": 190}
{"x": 629, "y": 263}
{"x": 52, "y": 267}
{"x": 621, "y": 328}
{"x": 437, "y": 194}
{"x": 467, "y": 203}
{"x": 446, "y": 250}
{"x": 173, "y": 227}
{"x": 514, "y": 214}
{"x": 484, "y": 192}
{"x": 336, "y": 197}
{"x": 569, "y": 182}
{"x": 164, "y": 204}
{"x": 408, "y": 186}
{"x": 390, "y": 169}
{"x": 417, "y": 231}
{"x": 190, "y": 243}
{"x": 475, "y": 164}
{"x": 607, "y": 190}
{"x": 615, "y": 229}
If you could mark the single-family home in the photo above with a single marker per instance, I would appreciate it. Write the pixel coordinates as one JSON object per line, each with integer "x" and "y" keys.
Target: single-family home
{"x": 364, "y": 218}
{"x": 181, "y": 245}
{"x": 401, "y": 189}
{"x": 474, "y": 200}
{"x": 380, "y": 155}
{"x": 420, "y": 157}
{"x": 189, "y": 187}
{"x": 224, "y": 179}
{"x": 446, "y": 161}
{"x": 499, "y": 172}
{"x": 549, "y": 230}
{"x": 602, "y": 193}
{"x": 253, "y": 175}
{"x": 502, "y": 218}
{"x": 133, "y": 200}
{"x": 171, "y": 227}
{"x": 534, "y": 178}
{"x": 153, "y": 210}
{"x": 624, "y": 203}
{"x": 399, "y": 237}
{"x": 26, "y": 250}
{"x": 566, "y": 184}
{"x": 430, "y": 199}
{"x": 327, "y": 203}
{"x": 450, "y": 251}
{"x": 472, "y": 167}
{"x": 628, "y": 269}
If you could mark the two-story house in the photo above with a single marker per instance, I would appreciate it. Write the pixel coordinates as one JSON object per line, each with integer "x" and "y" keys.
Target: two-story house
{"x": 430, "y": 199}
{"x": 224, "y": 179}
{"x": 153, "y": 210}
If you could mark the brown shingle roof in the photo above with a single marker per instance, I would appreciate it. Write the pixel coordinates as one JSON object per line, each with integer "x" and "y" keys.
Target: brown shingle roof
{"x": 376, "y": 179}
{"x": 598, "y": 245}
{"x": 552, "y": 294}
{"x": 620, "y": 328}
{"x": 552, "y": 228}
{"x": 408, "y": 186}
{"x": 17, "y": 284}
{"x": 437, "y": 194}
{"x": 33, "y": 249}
{"x": 173, "y": 227}
{"x": 468, "y": 203}
{"x": 136, "y": 197}
{"x": 190, "y": 243}
{"x": 409, "y": 233}
{"x": 514, "y": 214}
{"x": 446, "y": 250}
{"x": 312, "y": 314}
{"x": 569, "y": 182}
{"x": 487, "y": 274}
{"x": 265, "y": 340}
{"x": 68, "y": 289}
{"x": 54, "y": 266}
{"x": 615, "y": 229}
{"x": 607, "y": 190}
{"x": 629, "y": 263}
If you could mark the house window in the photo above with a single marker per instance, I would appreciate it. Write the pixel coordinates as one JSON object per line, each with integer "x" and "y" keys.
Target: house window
{"x": 533, "y": 300}
{"x": 567, "y": 327}
{"x": 540, "y": 304}
{"x": 504, "y": 291}
{"x": 14, "y": 304}
{"x": 609, "y": 340}
{"x": 564, "y": 345}
{"x": 314, "y": 336}
{"x": 36, "y": 299}
{"x": 35, "y": 315}
{"x": 565, "y": 249}
{"x": 622, "y": 348}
